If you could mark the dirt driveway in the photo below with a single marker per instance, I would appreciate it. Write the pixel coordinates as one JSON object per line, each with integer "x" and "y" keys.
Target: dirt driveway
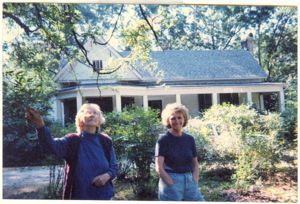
{"x": 25, "y": 182}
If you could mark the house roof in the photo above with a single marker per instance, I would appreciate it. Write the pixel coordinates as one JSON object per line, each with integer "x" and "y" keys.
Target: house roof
{"x": 205, "y": 65}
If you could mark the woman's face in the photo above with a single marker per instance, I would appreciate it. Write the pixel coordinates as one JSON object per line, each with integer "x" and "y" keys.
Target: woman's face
{"x": 176, "y": 121}
{"x": 90, "y": 118}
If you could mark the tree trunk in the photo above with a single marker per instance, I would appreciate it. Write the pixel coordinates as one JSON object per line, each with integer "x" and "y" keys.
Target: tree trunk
{"x": 258, "y": 44}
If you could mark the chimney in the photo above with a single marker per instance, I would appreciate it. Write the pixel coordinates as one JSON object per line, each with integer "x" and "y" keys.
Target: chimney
{"x": 250, "y": 43}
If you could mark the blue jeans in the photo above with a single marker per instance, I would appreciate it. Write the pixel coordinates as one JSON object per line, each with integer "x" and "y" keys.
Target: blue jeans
{"x": 184, "y": 188}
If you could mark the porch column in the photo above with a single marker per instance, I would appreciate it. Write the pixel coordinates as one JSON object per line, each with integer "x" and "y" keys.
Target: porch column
{"x": 178, "y": 98}
{"x": 249, "y": 98}
{"x": 145, "y": 102}
{"x": 214, "y": 98}
{"x": 118, "y": 103}
{"x": 261, "y": 102}
{"x": 62, "y": 113}
{"x": 78, "y": 100}
{"x": 281, "y": 101}
{"x": 58, "y": 109}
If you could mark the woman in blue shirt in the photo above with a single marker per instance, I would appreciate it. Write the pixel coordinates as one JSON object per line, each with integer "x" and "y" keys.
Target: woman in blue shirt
{"x": 90, "y": 156}
{"x": 176, "y": 158}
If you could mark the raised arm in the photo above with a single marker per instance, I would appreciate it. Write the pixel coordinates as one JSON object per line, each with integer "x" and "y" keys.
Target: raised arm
{"x": 57, "y": 146}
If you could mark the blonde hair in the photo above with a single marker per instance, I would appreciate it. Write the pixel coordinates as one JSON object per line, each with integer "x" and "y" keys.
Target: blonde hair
{"x": 172, "y": 108}
{"x": 78, "y": 119}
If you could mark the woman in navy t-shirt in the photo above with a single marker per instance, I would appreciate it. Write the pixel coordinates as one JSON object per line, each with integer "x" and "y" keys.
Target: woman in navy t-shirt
{"x": 176, "y": 158}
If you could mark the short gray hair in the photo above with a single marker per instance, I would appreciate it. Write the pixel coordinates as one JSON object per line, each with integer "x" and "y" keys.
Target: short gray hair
{"x": 78, "y": 118}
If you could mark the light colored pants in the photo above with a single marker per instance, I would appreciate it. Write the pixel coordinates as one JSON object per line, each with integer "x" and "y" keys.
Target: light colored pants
{"x": 184, "y": 188}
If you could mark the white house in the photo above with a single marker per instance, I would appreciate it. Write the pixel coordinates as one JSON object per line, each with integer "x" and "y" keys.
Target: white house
{"x": 197, "y": 79}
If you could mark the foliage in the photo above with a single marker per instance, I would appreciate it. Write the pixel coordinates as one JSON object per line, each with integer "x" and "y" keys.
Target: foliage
{"x": 290, "y": 116}
{"x": 136, "y": 39}
{"x": 220, "y": 26}
{"x": 240, "y": 136}
{"x": 63, "y": 28}
{"x": 57, "y": 130}
{"x": 226, "y": 126}
{"x": 205, "y": 150}
{"x": 134, "y": 132}
{"x": 279, "y": 45}
{"x": 22, "y": 88}
{"x": 145, "y": 189}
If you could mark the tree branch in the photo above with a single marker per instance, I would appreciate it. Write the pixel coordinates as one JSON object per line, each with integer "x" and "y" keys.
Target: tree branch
{"x": 19, "y": 22}
{"x": 237, "y": 30}
{"x": 149, "y": 24}
{"x": 115, "y": 26}
{"x": 82, "y": 49}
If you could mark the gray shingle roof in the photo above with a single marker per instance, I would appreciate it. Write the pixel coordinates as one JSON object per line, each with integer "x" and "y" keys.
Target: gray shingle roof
{"x": 206, "y": 65}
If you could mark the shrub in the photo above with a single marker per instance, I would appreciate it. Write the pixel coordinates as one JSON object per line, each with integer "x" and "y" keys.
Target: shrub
{"x": 227, "y": 125}
{"x": 205, "y": 150}
{"x": 57, "y": 130}
{"x": 289, "y": 116}
{"x": 241, "y": 136}
{"x": 134, "y": 132}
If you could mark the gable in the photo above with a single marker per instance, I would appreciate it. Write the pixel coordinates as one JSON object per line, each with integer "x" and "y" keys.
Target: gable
{"x": 77, "y": 71}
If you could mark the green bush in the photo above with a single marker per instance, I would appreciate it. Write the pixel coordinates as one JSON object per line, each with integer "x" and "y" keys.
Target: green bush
{"x": 21, "y": 88}
{"x": 289, "y": 116}
{"x": 134, "y": 132}
{"x": 57, "y": 130}
{"x": 227, "y": 125}
{"x": 205, "y": 150}
{"x": 290, "y": 124}
{"x": 240, "y": 136}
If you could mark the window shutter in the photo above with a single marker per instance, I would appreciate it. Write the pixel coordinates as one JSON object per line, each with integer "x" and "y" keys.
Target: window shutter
{"x": 97, "y": 65}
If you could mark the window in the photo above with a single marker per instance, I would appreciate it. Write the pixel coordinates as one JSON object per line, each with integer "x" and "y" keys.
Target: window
{"x": 271, "y": 101}
{"x": 70, "y": 110}
{"x": 205, "y": 101}
{"x": 156, "y": 104}
{"x": 127, "y": 101}
{"x": 69, "y": 84}
{"x": 97, "y": 64}
{"x": 105, "y": 103}
{"x": 232, "y": 98}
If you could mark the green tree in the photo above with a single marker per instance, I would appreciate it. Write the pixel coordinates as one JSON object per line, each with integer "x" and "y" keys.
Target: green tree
{"x": 218, "y": 27}
{"x": 258, "y": 17}
{"x": 23, "y": 88}
{"x": 279, "y": 45}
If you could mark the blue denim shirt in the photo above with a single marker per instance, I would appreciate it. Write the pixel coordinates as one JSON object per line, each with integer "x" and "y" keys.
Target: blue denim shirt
{"x": 91, "y": 163}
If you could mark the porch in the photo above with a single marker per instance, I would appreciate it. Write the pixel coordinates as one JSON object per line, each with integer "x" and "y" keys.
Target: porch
{"x": 196, "y": 98}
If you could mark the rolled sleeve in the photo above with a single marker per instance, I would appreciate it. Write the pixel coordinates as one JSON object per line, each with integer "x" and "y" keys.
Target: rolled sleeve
{"x": 160, "y": 149}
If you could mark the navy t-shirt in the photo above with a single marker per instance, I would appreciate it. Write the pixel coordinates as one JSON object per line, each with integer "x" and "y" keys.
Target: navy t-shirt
{"x": 177, "y": 151}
